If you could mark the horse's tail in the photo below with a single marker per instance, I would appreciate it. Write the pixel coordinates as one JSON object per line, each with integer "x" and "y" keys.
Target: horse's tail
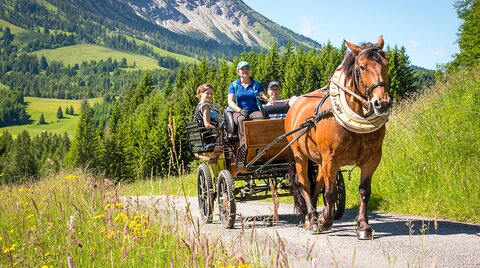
{"x": 299, "y": 202}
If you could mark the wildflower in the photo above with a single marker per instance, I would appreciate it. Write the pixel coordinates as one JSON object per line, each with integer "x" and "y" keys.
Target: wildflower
{"x": 10, "y": 249}
{"x": 110, "y": 234}
{"x": 145, "y": 233}
{"x": 21, "y": 189}
{"x": 98, "y": 217}
{"x": 121, "y": 217}
{"x": 243, "y": 265}
{"x": 46, "y": 254}
{"x": 70, "y": 177}
{"x": 29, "y": 217}
{"x": 107, "y": 206}
{"x": 122, "y": 248}
{"x": 118, "y": 205}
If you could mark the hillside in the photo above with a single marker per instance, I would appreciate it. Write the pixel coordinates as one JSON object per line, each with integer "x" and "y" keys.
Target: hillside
{"x": 430, "y": 164}
{"x": 212, "y": 29}
{"x": 228, "y": 22}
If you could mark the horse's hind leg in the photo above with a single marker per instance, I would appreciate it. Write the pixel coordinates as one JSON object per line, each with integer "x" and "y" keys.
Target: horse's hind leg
{"x": 301, "y": 165}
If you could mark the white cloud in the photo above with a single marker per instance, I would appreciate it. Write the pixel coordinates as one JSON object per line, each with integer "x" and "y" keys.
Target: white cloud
{"x": 439, "y": 52}
{"x": 306, "y": 28}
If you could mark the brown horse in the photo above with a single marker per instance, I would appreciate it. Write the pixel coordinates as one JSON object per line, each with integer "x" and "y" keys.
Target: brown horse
{"x": 350, "y": 131}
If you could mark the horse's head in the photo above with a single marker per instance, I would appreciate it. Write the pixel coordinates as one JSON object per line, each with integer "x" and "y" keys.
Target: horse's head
{"x": 368, "y": 67}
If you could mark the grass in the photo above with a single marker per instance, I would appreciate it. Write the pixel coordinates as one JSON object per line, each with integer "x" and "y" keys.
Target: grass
{"x": 21, "y": 36}
{"x": 49, "y": 108}
{"x": 162, "y": 52}
{"x": 70, "y": 55}
{"x": 76, "y": 218}
{"x": 431, "y": 163}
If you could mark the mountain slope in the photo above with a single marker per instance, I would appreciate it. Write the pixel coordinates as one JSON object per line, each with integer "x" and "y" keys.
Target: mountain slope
{"x": 226, "y": 21}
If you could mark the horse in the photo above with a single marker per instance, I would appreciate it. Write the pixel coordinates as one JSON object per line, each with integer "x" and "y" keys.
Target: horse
{"x": 345, "y": 126}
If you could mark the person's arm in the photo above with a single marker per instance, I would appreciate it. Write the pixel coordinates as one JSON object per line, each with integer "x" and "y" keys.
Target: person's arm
{"x": 263, "y": 97}
{"x": 232, "y": 104}
{"x": 206, "y": 117}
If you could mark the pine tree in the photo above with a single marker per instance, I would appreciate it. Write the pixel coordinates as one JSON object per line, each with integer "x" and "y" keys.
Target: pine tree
{"x": 82, "y": 152}
{"x": 72, "y": 112}
{"x": 41, "y": 121}
{"x": 59, "y": 113}
{"x": 469, "y": 33}
{"x": 67, "y": 110}
{"x": 43, "y": 63}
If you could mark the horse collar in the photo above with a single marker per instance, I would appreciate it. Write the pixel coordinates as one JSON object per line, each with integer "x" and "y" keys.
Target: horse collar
{"x": 344, "y": 115}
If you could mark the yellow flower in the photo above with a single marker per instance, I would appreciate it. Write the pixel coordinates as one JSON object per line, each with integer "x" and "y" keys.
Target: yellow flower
{"x": 243, "y": 265}
{"x": 145, "y": 233}
{"x": 10, "y": 249}
{"x": 107, "y": 206}
{"x": 121, "y": 217}
{"x": 70, "y": 177}
{"x": 122, "y": 248}
{"x": 20, "y": 190}
{"x": 46, "y": 254}
{"x": 1, "y": 238}
{"x": 119, "y": 205}
{"x": 98, "y": 217}
{"x": 29, "y": 217}
{"x": 110, "y": 234}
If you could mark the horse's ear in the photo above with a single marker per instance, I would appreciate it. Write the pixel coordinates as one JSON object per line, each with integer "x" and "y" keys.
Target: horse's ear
{"x": 353, "y": 47}
{"x": 380, "y": 42}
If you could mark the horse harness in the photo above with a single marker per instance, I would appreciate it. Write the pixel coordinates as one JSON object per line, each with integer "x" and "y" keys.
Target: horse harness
{"x": 344, "y": 115}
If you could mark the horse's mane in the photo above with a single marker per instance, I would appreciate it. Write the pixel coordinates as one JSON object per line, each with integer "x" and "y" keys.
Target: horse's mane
{"x": 348, "y": 63}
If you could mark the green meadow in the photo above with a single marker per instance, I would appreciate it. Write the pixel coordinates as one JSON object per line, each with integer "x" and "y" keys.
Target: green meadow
{"x": 21, "y": 36}
{"x": 49, "y": 107}
{"x": 71, "y": 55}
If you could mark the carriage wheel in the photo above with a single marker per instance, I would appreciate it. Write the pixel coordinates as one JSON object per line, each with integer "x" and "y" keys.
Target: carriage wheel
{"x": 205, "y": 193}
{"x": 226, "y": 199}
{"x": 339, "y": 206}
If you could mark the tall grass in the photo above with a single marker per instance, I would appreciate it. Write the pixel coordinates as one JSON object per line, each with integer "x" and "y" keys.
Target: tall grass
{"x": 77, "y": 218}
{"x": 431, "y": 159}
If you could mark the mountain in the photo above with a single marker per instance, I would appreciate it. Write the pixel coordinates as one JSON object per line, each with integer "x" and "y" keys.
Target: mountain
{"x": 226, "y": 21}
{"x": 195, "y": 28}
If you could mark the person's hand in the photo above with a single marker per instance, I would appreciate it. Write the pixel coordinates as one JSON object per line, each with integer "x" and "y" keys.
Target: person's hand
{"x": 262, "y": 100}
{"x": 244, "y": 113}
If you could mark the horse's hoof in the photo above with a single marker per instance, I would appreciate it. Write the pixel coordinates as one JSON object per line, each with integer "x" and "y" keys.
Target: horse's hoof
{"x": 365, "y": 234}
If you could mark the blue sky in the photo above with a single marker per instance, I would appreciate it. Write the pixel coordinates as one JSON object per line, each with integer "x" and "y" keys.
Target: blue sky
{"x": 426, "y": 28}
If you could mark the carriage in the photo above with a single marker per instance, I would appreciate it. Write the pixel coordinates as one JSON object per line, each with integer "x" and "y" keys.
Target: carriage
{"x": 258, "y": 170}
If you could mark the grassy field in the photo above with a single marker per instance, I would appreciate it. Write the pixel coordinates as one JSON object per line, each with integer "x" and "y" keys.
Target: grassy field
{"x": 87, "y": 52}
{"x": 164, "y": 53}
{"x": 49, "y": 108}
{"x": 75, "y": 218}
{"x": 21, "y": 36}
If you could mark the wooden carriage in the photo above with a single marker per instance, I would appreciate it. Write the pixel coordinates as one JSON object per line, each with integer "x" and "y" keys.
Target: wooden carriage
{"x": 259, "y": 170}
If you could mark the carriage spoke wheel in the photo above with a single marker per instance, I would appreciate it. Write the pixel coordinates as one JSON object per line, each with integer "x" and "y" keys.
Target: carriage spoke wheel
{"x": 205, "y": 193}
{"x": 339, "y": 206}
{"x": 226, "y": 199}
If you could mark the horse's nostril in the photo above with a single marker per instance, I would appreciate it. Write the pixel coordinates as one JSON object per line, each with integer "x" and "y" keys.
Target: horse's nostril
{"x": 376, "y": 104}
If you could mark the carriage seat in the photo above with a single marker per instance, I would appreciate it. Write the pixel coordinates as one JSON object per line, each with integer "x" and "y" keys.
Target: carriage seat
{"x": 200, "y": 137}
{"x": 276, "y": 111}
{"x": 232, "y": 129}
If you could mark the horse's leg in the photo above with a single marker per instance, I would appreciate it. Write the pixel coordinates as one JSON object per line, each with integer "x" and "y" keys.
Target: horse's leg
{"x": 318, "y": 187}
{"x": 301, "y": 165}
{"x": 365, "y": 190}
{"x": 329, "y": 171}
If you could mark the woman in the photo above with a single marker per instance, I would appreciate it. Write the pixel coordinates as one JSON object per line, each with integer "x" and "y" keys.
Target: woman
{"x": 244, "y": 96}
{"x": 207, "y": 112}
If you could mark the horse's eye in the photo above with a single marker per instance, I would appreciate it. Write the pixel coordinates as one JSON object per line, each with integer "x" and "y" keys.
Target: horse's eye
{"x": 363, "y": 68}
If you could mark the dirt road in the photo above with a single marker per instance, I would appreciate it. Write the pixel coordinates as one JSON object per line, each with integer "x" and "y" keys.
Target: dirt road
{"x": 400, "y": 241}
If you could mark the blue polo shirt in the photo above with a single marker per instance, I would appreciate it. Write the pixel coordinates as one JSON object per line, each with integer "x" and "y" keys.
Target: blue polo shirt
{"x": 246, "y": 98}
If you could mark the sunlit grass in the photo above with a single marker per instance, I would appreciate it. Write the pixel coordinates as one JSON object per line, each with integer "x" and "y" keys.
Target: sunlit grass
{"x": 75, "y": 217}
{"x": 49, "y": 107}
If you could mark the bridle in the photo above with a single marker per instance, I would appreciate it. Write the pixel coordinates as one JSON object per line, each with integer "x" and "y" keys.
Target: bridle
{"x": 357, "y": 78}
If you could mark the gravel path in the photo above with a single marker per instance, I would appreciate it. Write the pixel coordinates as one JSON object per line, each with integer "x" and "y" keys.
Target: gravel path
{"x": 400, "y": 241}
